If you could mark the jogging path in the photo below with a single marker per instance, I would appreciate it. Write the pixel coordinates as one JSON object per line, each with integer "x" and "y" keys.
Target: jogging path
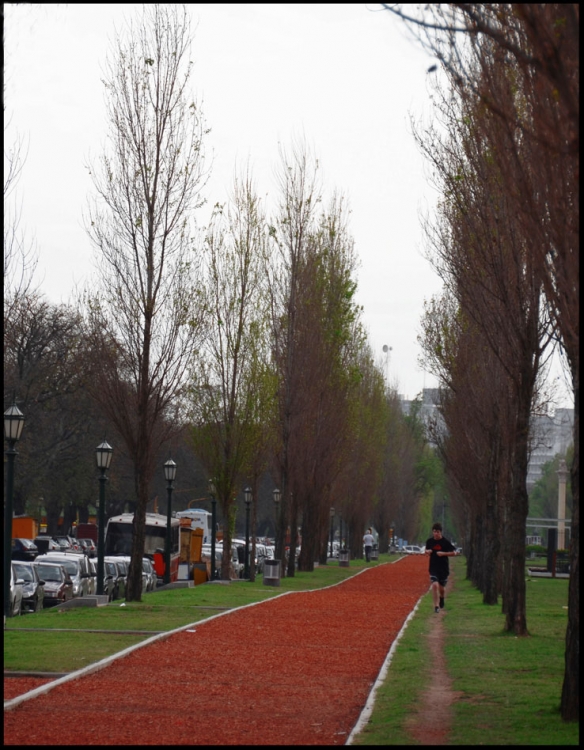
{"x": 296, "y": 669}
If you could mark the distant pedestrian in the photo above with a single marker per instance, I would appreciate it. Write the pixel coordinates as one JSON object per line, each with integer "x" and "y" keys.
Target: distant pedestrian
{"x": 368, "y": 541}
{"x": 440, "y": 549}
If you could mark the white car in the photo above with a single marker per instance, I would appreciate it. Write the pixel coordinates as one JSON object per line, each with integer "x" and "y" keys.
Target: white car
{"x": 412, "y": 549}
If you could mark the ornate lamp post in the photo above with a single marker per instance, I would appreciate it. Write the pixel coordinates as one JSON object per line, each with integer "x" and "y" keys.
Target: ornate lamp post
{"x": 13, "y": 424}
{"x": 169, "y": 475}
{"x": 103, "y": 455}
{"x": 248, "y": 497}
{"x": 214, "y": 526}
{"x": 332, "y": 511}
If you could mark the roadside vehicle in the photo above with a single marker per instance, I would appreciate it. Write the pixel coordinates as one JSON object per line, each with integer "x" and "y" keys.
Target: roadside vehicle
{"x": 108, "y": 581}
{"x": 88, "y": 547}
{"x": 124, "y": 561}
{"x": 152, "y": 578}
{"x": 33, "y": 588}
{"x": 16, "y": 586}
{"x": 412, "y": 549}
{"x": 45, "y": 543}
{"x": 58, "y": 583}
{"x": 67, "y": 543}
{"x": 115, "y": 568}
{"x": 24, "y": 549}
{"x": 199, "y": 519}
{"x": 77, "y": 565}
{"x": 206, "y": 556}
{"x": 118, "y": 540}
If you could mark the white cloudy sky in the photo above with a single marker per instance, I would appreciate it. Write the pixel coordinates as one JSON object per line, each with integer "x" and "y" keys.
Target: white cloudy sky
{"x": 345, "y": 77}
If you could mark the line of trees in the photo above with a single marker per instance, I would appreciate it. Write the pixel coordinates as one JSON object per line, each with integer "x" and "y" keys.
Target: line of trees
{"x": 506, "y": 159}
{"x": 239, "y": 347}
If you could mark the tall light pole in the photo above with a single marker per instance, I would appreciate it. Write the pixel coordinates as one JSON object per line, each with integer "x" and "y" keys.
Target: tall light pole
{"x": 169, "y": 475}
{"x": 103, "y": 455}
{"x": 13, "y": 424}
{"x": 562, "y": 473}
{"x": 332, "y": 521}
{"x": 277, "y": 495}
{"x": 213, "y": 524}
{"x": 248, "y": 497}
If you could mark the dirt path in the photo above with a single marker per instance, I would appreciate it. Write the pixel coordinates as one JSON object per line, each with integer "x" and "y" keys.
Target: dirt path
{"x": 430, "y": 724}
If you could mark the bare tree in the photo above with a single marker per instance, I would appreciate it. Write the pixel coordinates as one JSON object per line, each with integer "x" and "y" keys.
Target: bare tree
{"x": 148, "y": 183}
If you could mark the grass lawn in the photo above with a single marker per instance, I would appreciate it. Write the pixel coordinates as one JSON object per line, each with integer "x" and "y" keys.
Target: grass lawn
{"x": 510, "y": 687}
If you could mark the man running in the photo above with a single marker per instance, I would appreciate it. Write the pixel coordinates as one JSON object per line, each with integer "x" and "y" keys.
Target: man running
{"x": 440, "y": 549}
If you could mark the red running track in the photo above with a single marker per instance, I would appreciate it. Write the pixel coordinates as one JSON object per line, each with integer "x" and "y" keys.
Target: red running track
{"x": 293, "y": 670}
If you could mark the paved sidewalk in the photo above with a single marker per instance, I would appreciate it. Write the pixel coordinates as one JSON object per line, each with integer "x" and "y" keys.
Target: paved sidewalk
{"x": 295, "y": 669}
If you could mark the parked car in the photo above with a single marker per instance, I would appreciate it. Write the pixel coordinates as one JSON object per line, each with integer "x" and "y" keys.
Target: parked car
{"x": 58, "y": 583}
{"x": 116, "y": 568}
{"x": 67, "y": 543}
{"x": 77, "y": 565}
{"x": 148, "y": 568}
{"x": 88, "y": 547}
{"x": 108, "y": 581}
{"x": 45, "y": 543}
{"x": 33, "y": 589}
{"x": 412, "y": 549}
{"x": 16, "y": 586}
{"x": 126, "y": 560}
{"x": 24, "y": 549}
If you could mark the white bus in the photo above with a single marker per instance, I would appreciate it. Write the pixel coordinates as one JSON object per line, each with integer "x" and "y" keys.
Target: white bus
{"x": 200, "y": 519}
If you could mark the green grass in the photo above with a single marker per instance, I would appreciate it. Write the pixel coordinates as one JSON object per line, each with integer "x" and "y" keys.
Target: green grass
{"x": 158, "y": 611}
{"x": 509, "y": 688}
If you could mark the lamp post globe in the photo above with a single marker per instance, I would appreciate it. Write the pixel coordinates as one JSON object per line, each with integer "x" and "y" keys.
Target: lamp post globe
{"x": 169, "y": 475}
{"x": 13, "y": 425}
{"x": 103, "y": 457}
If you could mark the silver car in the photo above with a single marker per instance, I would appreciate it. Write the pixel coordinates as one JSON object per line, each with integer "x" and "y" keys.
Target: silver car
{"x": 33, "y": 588}
{"x": 77, "y": 565}
{"x": 16, "y": 585}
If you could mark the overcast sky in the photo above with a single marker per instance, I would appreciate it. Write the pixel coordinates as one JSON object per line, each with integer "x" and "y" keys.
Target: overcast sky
{"x": 347, "y": 78}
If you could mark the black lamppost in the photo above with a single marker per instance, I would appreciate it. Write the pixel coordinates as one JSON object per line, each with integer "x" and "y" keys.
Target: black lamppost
{"x": 248, "y": 497}
{"x": 13, "y": 424}
{"x": 213, "y": 524}
{"x": 169, "y": 475}
{"x": 332, "y": 520}
{"x": 277, "y": 494}
{"x": 103, "y": 455}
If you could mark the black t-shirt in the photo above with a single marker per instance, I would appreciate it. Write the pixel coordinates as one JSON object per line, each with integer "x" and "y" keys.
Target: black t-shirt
{"x": 439, "y": 565}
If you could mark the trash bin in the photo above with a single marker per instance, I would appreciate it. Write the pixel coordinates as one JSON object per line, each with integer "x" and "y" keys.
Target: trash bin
{"x": 374, "y": 553}
{"x": 344, "y": 558}
{"x": 272, "y": 573}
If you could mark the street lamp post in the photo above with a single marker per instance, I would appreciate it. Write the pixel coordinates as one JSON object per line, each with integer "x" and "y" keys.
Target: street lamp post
{"x": 169, "y": 475}
{"x": 332, "y": 521}
{"x": 277, "y": 495}
{"x": 103, "y": 455}
{"x": 248, "y": 497}
{"x": 13, "y": 424}
{"x": 213, "y": 524}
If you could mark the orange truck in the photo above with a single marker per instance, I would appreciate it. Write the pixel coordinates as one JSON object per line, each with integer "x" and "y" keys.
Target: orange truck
{"x": 24, "y": 527}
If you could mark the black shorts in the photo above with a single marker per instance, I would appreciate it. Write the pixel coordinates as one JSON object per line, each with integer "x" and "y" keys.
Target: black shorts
{"x": 441, "y": 580}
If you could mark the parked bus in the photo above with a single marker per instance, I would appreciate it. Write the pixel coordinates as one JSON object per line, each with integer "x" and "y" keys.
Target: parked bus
{"x": 199, "y": 519}
{"x": 118, "y": 540}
